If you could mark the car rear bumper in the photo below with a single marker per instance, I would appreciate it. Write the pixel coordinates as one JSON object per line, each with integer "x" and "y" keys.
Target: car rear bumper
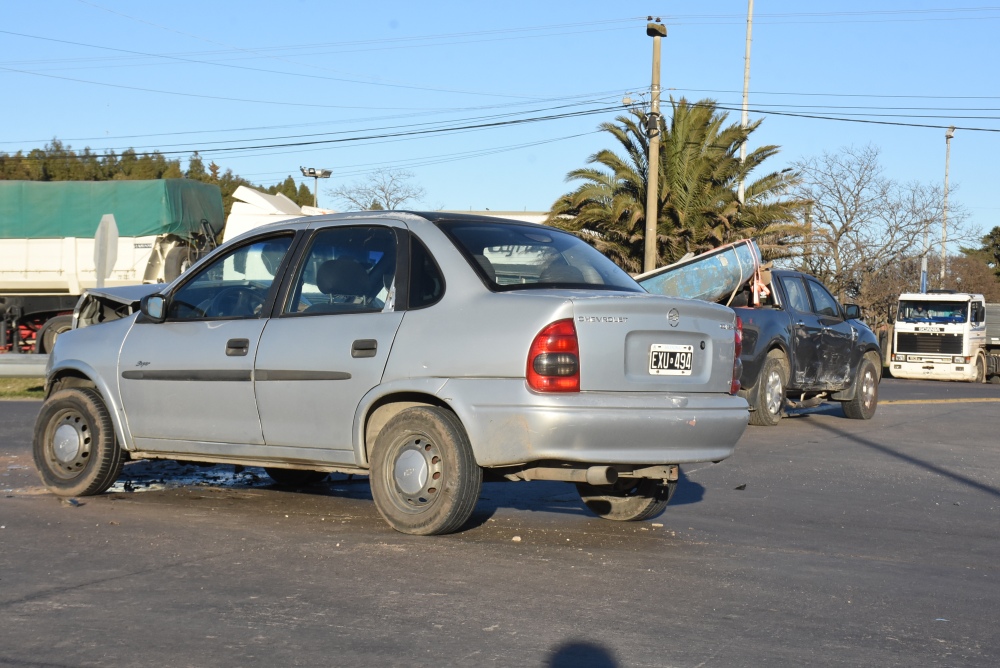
{"x": 509, "y": 425}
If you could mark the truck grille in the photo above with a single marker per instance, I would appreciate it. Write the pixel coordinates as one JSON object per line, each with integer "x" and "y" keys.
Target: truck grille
{"x": 945, "y": 344}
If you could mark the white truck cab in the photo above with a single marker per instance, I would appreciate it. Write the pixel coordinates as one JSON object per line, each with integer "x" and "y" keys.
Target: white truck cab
{"x": 940, "y": 335}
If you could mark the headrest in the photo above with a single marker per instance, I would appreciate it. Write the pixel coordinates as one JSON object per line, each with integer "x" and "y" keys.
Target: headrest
{"x": 342, "y": 277}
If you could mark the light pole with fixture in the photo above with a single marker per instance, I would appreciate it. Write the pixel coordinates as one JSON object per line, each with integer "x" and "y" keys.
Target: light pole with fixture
{"x": 317, "y": 174}
{"x": 949, "y": 133}
{"x": 657, "y": 31}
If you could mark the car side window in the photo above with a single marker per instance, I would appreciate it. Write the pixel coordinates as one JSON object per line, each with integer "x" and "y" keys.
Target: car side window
{"x": 426, "y": 281}
{"x": 236, "y": 285}
{"x": 347, "y": 270}
{"x": 825, "y": 303}
{"x": 797, "y": 297}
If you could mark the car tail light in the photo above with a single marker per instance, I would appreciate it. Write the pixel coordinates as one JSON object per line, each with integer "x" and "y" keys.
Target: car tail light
{"x": 734, "y": 387}
{"x": 554, "y": 359}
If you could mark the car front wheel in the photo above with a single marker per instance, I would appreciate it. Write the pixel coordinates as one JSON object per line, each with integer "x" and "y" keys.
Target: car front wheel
{"x": 424, "y": 475}
{"x": 865, "y": 401}
{"x": 75, "y": 448}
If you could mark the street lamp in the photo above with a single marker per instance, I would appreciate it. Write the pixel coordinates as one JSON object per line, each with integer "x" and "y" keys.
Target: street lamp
{"x": 317, "y": 174}
{"x": 657, "y": 31}
{"x": 949, "y": 133}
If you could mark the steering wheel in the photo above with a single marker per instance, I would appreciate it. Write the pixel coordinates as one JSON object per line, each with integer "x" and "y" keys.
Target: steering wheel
{"x": 235, "y": 301}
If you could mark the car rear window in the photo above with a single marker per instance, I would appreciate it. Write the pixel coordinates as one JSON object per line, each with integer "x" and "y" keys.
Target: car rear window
{"x": 509, "y": 256}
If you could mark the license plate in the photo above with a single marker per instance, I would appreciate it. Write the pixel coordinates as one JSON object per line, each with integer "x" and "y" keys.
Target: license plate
{"x": 670, "y": 360}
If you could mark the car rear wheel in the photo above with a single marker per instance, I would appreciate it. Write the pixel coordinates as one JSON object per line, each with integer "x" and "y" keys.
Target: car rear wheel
{"x": 628, "y": 500}
{"x": 769, "y": 399}
{"x": 424, "y": 476}
{"x": 865, "y": 401}
{"x": 75, "y": 448}
{"x": 295, "y": 477}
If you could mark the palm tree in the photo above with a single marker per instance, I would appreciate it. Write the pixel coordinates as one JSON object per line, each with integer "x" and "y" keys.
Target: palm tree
{"x": 698, "y": 206}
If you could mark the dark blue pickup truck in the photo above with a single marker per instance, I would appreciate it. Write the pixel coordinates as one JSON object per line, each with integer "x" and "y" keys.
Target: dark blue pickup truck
{"x": 800, "y": 346}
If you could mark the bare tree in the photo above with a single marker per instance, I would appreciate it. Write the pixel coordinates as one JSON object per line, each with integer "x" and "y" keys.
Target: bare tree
{"x": 865, "y": 230}
{"x": 382, "y": 189}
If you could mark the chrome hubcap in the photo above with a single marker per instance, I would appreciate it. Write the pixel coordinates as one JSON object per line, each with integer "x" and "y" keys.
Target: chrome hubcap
{"x": 411, "y": 472}
{"x": 416, "y": 473}
{"x": 66, "y": 443}
{"x": 70, "y": 444}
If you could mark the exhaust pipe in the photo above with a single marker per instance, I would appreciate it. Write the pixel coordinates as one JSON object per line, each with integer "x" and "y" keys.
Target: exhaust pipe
{"x": 594, "y": 475}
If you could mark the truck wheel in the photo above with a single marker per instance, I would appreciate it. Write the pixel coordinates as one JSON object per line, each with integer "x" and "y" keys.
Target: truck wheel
{"x": 865, "y": 401}
{"x": 980, "y": 370}
{"x": 628, "y": 500}
{"x": 178, "y": 261}
{"x": 424, "y": 476}
{"x": 770, "y": 395}
{"x": 75, "y": 448}
{"x": 46, "y": 339}
{"x": 295, "y": 477}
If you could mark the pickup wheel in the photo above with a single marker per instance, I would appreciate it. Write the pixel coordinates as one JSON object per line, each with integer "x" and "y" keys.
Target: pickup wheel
{"x": 865, "y": 401}
{"x": 628, "y": 500}
{"x": 769, "y": 398}
{"x": 424, "y": 476}
{"x": 75, "y": 448}
{"x": 295, "y": 477}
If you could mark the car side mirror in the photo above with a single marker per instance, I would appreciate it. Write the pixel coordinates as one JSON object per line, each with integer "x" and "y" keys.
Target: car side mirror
{"x": 154, "y": 307}
{"x": 852, "y": 312}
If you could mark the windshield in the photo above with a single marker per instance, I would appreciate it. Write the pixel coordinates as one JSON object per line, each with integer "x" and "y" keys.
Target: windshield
{"x": 514, "y": 257}
{"x": 933, "y": 311}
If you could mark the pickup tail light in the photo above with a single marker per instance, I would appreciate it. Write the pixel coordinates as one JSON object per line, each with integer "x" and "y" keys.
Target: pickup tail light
{"x": 734, "y": 387}
{"x": 554, "y": 359}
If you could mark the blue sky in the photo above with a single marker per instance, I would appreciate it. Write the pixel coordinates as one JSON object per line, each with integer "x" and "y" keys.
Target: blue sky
{"x": 219, "y": 76}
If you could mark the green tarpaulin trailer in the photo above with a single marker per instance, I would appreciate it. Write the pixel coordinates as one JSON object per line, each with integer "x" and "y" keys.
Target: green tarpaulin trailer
{"x": 47, "y": 245}
{"x": 53, "y": 210}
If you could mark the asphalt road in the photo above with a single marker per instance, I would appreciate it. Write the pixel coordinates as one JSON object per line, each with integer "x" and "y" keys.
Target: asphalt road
{"x": 824, "y": 541}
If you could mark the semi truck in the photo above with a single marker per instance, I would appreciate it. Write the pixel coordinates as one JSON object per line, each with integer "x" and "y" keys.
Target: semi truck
{"x": 946, "y": 335}
{"x": 47, "y": 245}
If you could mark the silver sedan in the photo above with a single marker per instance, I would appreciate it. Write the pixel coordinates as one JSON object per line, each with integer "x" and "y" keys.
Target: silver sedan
{"x": 429, "y": 351}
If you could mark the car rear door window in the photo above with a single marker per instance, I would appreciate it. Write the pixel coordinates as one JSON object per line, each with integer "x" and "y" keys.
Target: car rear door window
{"x": 346, "y": 270}
{"x": 797, "y": 297}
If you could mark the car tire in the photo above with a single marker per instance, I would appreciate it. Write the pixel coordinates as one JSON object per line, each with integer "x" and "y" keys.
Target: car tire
{"x": 769, "y": 397}
{"x": 628, "y": 500}
{"x": 295, "y": 477}
{"x": 46, "y": 339}
{"x": 75, "y": 448}
{"x": 424, "y": 475}
{"x": 865, "y": 401}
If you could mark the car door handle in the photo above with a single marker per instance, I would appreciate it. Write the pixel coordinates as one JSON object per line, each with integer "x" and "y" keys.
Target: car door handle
{"x": 237, "y": 347}
{"x": 364, "y": 348}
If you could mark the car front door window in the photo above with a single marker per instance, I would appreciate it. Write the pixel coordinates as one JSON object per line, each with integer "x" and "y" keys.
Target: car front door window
{"x": 237, "y": 285}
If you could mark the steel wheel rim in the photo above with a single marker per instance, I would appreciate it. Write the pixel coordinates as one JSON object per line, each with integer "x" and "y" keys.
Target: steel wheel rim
{"x": 69, "y": 444}
{"x": 773, "y": 392}
{"x": 416, "y": 473}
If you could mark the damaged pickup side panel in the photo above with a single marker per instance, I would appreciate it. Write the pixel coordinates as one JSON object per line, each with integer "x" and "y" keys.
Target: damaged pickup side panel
{"x": 800, "y": 346}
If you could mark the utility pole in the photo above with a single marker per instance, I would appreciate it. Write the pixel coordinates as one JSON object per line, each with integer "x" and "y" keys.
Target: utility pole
{"x": 949, "y": 133}
{"x": 741, "y": 193}
{"x": 655, "y": 30}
